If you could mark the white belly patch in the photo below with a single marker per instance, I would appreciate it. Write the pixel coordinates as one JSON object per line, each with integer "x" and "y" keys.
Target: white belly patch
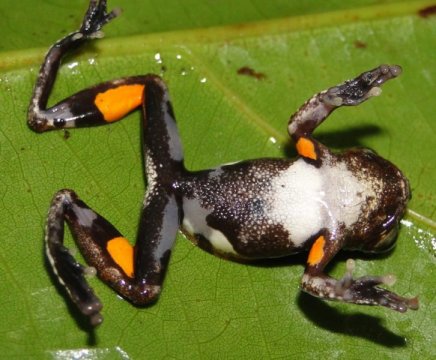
{"x": 307, "y": 199}
{"x": 296, "y": 201}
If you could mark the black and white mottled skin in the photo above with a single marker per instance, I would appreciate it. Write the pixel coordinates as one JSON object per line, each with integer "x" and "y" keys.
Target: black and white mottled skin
{"x": 275, "y": 207}
{"x": 263, "y": 208}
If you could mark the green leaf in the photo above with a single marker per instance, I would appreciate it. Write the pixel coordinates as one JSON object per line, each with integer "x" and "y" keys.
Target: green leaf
{"x": 210, "y": 307}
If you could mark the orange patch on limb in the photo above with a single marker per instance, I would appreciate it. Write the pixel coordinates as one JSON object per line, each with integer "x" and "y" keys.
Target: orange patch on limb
{"x": 122, "y": 253}
{"x": 117, "y": 102}
{"x": 317, "y": 251}
{"x": 306, "y": 148}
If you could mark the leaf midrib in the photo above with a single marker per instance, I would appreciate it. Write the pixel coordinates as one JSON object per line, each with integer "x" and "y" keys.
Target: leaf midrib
{"x": 137, "y": 44}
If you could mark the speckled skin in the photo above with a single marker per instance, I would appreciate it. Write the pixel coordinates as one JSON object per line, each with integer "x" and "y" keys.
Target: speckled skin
{"x": 240, "y": 201}
{"x": 253, "y": 209}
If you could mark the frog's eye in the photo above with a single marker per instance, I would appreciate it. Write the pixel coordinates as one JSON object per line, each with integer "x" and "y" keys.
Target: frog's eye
{"x": 387, "y": 240}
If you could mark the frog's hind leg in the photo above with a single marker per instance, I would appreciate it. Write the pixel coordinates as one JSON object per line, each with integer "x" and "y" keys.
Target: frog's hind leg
{"x": 315, "y": 110}
{"x": 136, "y": 273}
{"x": 363, "y": 291}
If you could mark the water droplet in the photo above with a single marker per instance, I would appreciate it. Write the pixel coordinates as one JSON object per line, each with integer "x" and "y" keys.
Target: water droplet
{"x": 72, "y": 65}
{"x": 158, "y": 58}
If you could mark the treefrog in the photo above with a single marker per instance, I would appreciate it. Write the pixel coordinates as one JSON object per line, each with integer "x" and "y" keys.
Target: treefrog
{"x": 320, "y": 202}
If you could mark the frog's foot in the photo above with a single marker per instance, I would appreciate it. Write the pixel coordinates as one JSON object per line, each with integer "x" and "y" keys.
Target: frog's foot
{"x": 95, "y": 18}
{"x": 355, "y": 91}
{"x": 362, "y": 291}
{"x": 71, "y": 274}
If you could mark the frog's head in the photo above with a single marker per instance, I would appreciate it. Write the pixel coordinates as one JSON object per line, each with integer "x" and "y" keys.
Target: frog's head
{"x": 377, "y": 228}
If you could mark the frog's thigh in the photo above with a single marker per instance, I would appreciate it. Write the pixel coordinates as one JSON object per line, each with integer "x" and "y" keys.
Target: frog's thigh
{"x": 195, "y": 223}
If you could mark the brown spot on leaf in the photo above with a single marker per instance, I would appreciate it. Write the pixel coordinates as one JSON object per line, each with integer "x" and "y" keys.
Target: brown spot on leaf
{"x": 248, "y": 71}
{"x": 427, "y": 11}
{"x": 358, "y": 44}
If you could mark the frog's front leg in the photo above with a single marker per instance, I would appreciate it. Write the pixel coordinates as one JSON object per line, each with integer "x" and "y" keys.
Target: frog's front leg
{"x": 363, "y": 290}
{"x": 315, "y": 110}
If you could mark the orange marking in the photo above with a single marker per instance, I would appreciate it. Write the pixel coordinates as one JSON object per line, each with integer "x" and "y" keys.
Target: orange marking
{"x": 122, "y": 253}
{"x": 317, "y": 251}
{"x": 116, "y": 103}
{"x": 306, "y": 148}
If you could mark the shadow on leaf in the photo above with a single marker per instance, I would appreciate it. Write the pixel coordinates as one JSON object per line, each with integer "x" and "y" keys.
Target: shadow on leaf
{"x": 356, "y": 325}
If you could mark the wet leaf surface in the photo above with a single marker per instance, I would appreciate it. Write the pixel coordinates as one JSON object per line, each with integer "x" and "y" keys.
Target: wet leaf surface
{"x": 212, "y": 308}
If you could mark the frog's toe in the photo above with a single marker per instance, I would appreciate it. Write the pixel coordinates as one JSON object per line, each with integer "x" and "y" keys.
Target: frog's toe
{"x": 381, "y": 74}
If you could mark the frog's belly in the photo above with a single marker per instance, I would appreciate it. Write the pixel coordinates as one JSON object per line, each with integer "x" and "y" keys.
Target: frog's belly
{"x": 296, "y": 201}
{"x": 275, "y": 213}
{"x": 276, "y": 219}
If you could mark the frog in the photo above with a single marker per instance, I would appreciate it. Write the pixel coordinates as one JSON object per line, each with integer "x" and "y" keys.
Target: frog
{"x": 320, "y": 202}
